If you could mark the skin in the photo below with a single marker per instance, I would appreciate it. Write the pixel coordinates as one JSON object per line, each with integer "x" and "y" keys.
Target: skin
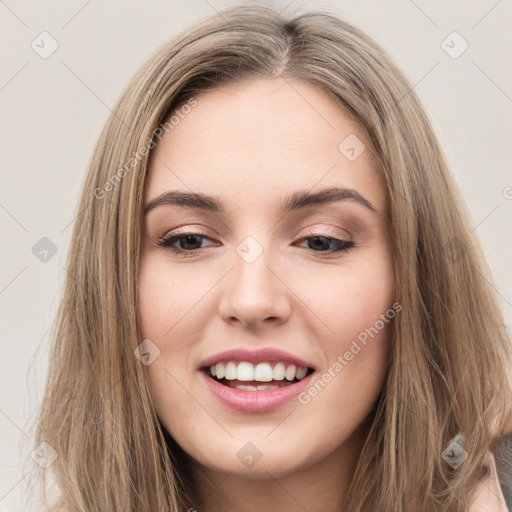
{"x": 488, "y": 496}
{"x": 251, "y": 145}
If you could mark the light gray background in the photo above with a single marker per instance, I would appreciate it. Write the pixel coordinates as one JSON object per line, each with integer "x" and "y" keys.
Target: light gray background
{"x": 53, "y": 109}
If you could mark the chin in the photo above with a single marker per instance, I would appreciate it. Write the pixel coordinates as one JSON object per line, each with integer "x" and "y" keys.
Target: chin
{"x": 258, "y": 459}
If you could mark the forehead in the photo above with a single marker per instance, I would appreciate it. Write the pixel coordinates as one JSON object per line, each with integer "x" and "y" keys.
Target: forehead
{"x": 258, "y": 140}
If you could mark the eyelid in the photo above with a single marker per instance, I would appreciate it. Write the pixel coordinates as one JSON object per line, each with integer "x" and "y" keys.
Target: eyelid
{"x": 329, "y": 231}
{"x": 186, "y": 230}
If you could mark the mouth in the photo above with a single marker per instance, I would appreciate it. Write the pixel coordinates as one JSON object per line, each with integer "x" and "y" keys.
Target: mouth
{"x": 255, "y": 381}
{"x": 264, "y": 376}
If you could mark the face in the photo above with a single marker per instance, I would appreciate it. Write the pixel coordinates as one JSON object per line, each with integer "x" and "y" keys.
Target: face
{"x": 293, "y": 298}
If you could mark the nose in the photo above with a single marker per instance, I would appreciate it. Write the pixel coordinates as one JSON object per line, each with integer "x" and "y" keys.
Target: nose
{"x": 255, "y": 294}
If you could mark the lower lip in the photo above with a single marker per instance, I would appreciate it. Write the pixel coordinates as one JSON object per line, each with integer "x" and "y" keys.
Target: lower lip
{"x": 254, "y": 401}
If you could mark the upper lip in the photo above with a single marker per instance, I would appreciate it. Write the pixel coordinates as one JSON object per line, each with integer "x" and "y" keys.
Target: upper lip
{"x": 264, "y": 355}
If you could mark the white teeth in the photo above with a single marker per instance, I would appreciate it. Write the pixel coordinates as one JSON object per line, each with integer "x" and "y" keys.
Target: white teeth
{"x": 245, "y": 371}
{"x": 231, "y": 371}
{"x": 255, "y": 388}
{"x": 246, "y": 388}
{"x": 262, "y": 372}
{"x": 290, "y": 372}
{"x": 301, "y": 372}
{"x": 220, "y": 370}
{"x": 279, "y": 371}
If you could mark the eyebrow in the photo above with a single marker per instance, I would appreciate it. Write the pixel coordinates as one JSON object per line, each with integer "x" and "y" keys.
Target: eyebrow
{"x": 296, "y": 201}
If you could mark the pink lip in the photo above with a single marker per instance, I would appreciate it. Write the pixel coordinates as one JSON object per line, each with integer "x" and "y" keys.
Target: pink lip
{"x": 264, "y": 355}
{"x": 254, "y": 401}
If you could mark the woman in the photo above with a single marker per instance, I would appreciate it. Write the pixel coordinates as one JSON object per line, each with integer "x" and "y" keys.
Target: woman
{"x": 273, "y": 301}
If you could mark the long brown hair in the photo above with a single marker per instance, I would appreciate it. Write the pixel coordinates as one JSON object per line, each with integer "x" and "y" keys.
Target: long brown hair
{"x": 448, "y": 367}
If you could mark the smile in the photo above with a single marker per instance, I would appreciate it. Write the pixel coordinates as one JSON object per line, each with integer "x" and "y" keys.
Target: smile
{"x": 255, "y": 381}
{"x": 262, "y": 376}
{"x": 255, "y": 388}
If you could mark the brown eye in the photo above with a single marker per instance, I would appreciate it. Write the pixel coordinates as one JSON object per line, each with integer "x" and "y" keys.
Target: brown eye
{"x": 187, "y": 242}
{"x": 320, "y": 243}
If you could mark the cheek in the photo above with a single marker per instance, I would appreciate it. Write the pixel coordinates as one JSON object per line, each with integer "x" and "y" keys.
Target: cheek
{"x": 349, "y": 302}
{"x": 364, "y": 312}
{"x": 157, "y": 304}
{"x": 167, "y": 300}
{"x": 168, "y": 309}
{"x": 358, "y": 311}
{"x": 166, "y": 316}
{"x": 173, "y": 316}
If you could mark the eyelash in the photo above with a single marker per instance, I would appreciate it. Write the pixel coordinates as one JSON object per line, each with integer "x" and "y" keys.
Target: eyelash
{"x": 168, "y": 243}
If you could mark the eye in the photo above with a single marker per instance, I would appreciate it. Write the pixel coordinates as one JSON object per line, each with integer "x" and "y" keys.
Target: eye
{"x": 188, "y": 242}
{"x": 328, "y": 244}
